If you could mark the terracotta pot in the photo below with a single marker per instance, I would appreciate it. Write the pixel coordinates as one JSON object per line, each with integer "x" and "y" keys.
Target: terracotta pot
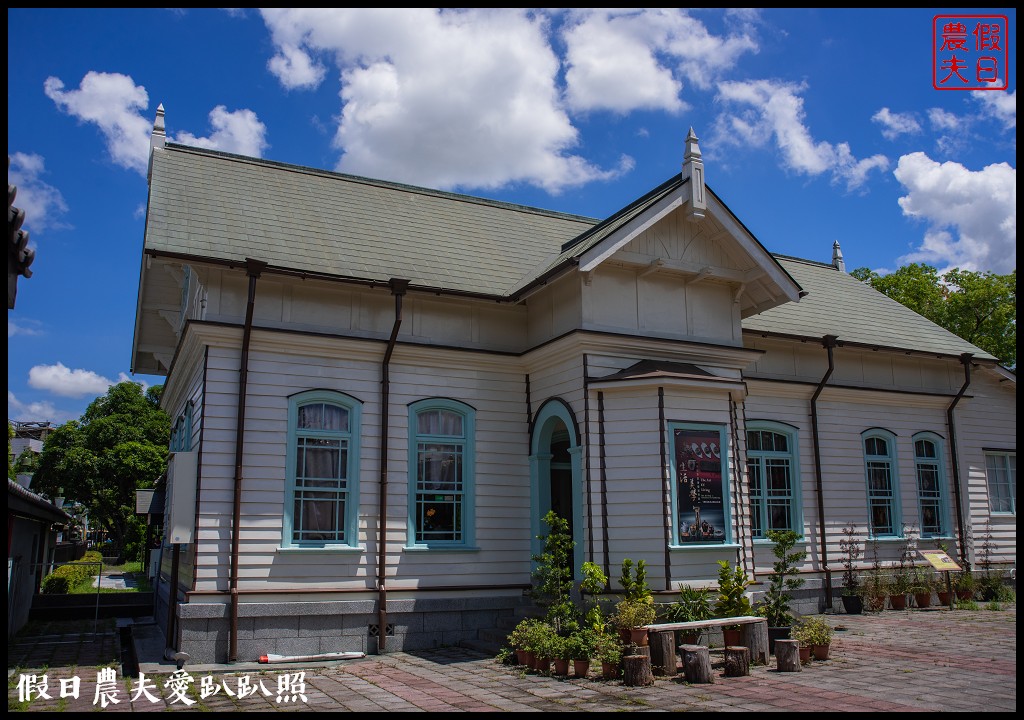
{"x": 898, "y": 602}
{"x": 560, "y": 666}
{"x": 877, "y": 603}
{"x": 820, "y": 652}
{"x": 522, "y": 656}
{"x": 964, "y": 595}
{"x": 609, "y": 671}
{"x": 731, "y": 636}
{"x": 689, "y": 638}
{"x": 923, "y": 600}
{"x": 638, "y": 636}
{"x": 944, "y": 597}
{"x": 543, "y": 665}
{"x": 580, "y": 668}
{"x": 805, "y": 654}
{"x": 531, "y": 660}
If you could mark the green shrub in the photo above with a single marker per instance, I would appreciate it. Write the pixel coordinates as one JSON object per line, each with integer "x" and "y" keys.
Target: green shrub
{"x": 55, "y": 585}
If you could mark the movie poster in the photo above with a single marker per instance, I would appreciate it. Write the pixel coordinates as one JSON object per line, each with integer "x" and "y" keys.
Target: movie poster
{"x": 700, "y": 491}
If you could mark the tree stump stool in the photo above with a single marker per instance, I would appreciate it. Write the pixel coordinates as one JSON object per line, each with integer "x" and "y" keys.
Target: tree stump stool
{"x": 737, "y": 661}
{"x": 662, "y": 647}
{"x": 787, "y": 655}
{"x": 697, "y": 664}
{"x": 636, "y": 671}
{"x": 755, "y": 637}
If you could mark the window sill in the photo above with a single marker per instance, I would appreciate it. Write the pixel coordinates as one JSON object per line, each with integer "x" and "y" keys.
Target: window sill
{"x": 888, "y": 539}
{"x": 705, "y": 546}
{"x": 328, "y": 550}
{"x": 766, "y": 541}
{"x": 440, "y": 548}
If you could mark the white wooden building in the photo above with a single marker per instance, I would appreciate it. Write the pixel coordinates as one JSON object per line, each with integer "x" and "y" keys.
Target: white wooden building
{"x": 379, "y": 391}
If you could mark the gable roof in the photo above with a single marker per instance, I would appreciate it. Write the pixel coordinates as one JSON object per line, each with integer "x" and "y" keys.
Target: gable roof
{"x": 839, "y": 304}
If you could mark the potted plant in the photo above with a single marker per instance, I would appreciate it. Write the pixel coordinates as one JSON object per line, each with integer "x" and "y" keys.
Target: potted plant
{"x": 559, "y": 649}
{"x": 732, "y": 598}
{"x": 580, "y": 647}
{"x": 544, "y": 650}
{"x": 775, "y": 607}
{"x": 922, "y": 584}
{"x": 853, "y": 603}
{"x": 814, "y": 632}
{"x": 693, "y": 605}
{"x": 964, "y": 585}
{"x": 523, "y": 639}
{"x": 631, "y": 616}
{"x": 608, "y": 650}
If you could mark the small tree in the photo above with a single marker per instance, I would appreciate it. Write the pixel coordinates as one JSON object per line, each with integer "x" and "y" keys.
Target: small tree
{"x": 732, "y": 591}
{"x": 554, "y": 576}
{"x": 593, "y": 584}
{"x": 775, "y": 607}
{"x": 851, "y": 550}
{"x": 634, "y": 586}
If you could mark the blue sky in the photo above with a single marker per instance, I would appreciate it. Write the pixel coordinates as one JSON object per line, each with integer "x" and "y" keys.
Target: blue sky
{"x": 816, "y": 126}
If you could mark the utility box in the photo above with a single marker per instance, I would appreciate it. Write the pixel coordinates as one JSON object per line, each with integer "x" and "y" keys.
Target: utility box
{"x": 181, "y": 496}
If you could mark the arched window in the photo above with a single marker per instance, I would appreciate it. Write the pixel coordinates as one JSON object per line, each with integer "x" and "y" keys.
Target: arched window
{"x": 882, "y": 482}
{"x": 322, "y": 470}
{"x": 931, "y": 485}
{"x": 441, "y": 473}
{"x": 773, "y": 474}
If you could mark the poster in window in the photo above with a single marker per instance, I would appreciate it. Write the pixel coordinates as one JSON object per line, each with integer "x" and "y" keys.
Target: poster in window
{"x": 699, "y": 487}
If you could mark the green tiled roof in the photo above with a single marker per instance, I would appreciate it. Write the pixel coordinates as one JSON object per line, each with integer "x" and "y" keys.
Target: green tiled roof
{"x": 839, "y": 304}
{"x": 226, "y": 207}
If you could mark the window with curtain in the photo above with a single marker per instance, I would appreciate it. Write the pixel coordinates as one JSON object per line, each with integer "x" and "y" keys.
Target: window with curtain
{"x": 931, "y": 485}
{"x": 1001, "y": 473}
{"x": 322, "y": 470}
{"x": 882, "y": 483}
{"x": 774, "y": 478}
{"x": 441, "y": 473}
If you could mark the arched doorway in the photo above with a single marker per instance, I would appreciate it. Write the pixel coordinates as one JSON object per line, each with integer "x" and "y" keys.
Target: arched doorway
{"x": 556, "y": 460}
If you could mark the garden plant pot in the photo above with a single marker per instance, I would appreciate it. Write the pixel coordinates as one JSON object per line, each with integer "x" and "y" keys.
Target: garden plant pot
{"x": 531, "y": 660}
{"x": 560, "y": 666}
{"x": 965, "y": 595}
{"x": 820, "y": 652}
{"x": 944, "y": 597}
{"x": 689, "y": 638}
{"x": 923, "y": 600}
{"x": 580, "y": 668}
{"x": 805, "y": 654}
{"x": 877, "y": 603}
{"x": 543, "y": 665}
{"x": 638, "y": 636}
{"x": 609, "y": 671}
{"x": 852, "y": 604}
{"x": 898, "y": 602}
{"x": 731, "y": 636}
{"x": 522, "y": 656}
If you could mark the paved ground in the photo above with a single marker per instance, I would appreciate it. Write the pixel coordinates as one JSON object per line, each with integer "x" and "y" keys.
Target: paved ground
{"x": 917, "y": 660}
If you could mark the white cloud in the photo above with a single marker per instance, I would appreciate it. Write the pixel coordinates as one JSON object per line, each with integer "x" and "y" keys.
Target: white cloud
{"x": 943, "y": 120}
{"x": 1000, "y": 105}
{"x": 774, "y": 110}
{"x": 972, "y": 215}
{"x": 427, "y": 93}
{"x": 35, "y": 411}
{"x": 896, "y": 124}
{"x": 623, "y": 60}
{"x": 239, "y": 132}
{"x": 43, "y": 204}
{"x": 28, "y": 328}
{"x": 63, "y": 381}
{"x": 115, "y": 103}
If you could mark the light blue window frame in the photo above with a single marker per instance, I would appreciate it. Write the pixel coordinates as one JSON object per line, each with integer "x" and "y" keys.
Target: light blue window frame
{"x": 349, "y": 440}
{"x": 881, "y": 475}
{"x": 932, "y": 498}
{"x": 723, "y": 445}
{"x": 181, "y": 433}
{"x": 1001, "y": 477}
{"x": 457, "y": 493}
{"x": 767, "y": 499}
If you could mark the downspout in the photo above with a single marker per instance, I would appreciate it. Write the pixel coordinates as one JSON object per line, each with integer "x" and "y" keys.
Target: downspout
{"x": 829, "y": 343}
{"x": 666, "y": 511}
{"x": 604, "y": 483}
{"x": 965, "y": 359}
{"x": 398, "y": 289}
{"x": 586, "y": 445}
{"x": 253, "y": 268}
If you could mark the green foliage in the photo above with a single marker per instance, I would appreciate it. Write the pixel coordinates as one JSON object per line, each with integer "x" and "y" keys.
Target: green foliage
{"x": 693, "y": 605}
{"x": 922, "y": 580}
{"x": 581, "y": 645}
{"x": 812, "y": 630}
{"x": 775, "y": 607}
{"x": 634, "y": 585}
{"x": 967, "y": 605}
{"x": 118, "y": 445}
{"x": 530, "y": 634}
{"x": 851, "y": 550}
{"x": 593, "y": 584}
{"x": 607, "y": 648}
{"x": 732, "y": 591}
{"x": 631, "y": 614}
{"x": 964, "y": 581}
{"x": 67, "y": 578}
{"x": 980, "y": 307}
{"x": 553, "y": 576}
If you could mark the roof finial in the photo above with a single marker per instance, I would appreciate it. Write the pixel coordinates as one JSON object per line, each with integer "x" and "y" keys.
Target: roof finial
{"x": 693, "y": 170}
{"x": 157, "y": 139}
{"x": 837, "y": 257}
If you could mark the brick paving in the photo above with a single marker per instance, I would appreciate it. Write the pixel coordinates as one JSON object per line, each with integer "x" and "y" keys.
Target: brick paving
{"x": 907, "y": 661}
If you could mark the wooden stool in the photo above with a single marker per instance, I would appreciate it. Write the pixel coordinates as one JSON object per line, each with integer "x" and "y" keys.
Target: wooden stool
{"x": 636, "y": 671}
{"x": 697, "y": 664}
{"x": 787, "y": 655}
{"x": 737, "y": 661}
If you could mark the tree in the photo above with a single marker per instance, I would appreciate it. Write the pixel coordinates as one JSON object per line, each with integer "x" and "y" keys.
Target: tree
{"x": 980, "y": 307}
{"x": 119, "y": 444}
